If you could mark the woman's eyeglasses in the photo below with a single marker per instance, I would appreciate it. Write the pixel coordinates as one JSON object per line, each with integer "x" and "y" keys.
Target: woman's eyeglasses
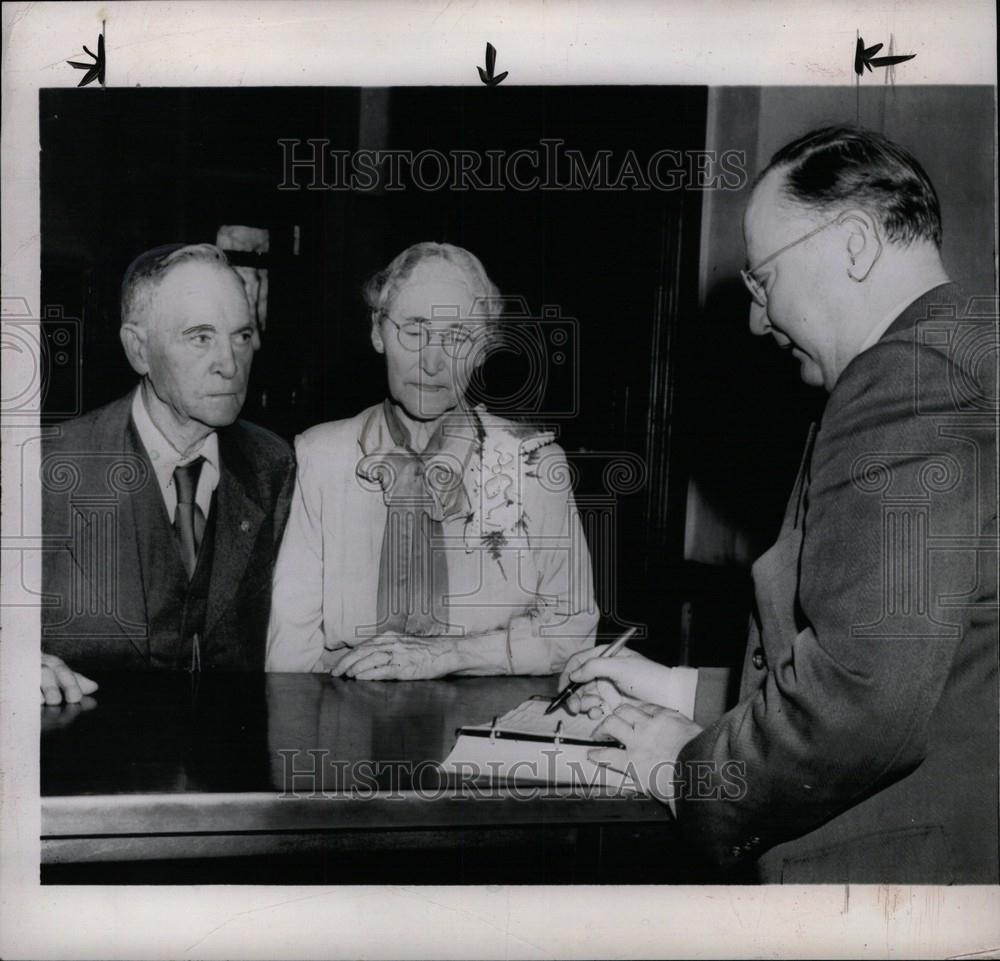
{"x": 417, "y": 334}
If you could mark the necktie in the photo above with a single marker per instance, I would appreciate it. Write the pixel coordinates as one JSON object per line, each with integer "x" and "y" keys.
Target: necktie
{"x": 189, "y": 521}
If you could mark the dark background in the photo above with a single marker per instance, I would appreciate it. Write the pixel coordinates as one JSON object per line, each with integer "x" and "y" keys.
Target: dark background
{"x": 662, "y": 364}
{"x": 666, "y": 372}
{"x": 125, "y": 170}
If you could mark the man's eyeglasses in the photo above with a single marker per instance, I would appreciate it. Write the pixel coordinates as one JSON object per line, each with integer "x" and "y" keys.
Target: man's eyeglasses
{"x": 755, "y": 287}
{"x": 417, "y": 334}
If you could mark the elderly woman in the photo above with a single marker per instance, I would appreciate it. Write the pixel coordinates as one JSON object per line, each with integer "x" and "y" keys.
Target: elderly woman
{"x": 428, "y": 537}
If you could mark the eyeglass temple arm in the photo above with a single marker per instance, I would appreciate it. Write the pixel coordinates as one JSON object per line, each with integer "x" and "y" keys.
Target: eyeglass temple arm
{"x": 800, "y": 240}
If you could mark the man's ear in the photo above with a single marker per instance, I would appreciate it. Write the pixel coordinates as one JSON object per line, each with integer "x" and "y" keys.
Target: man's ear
{"x": 864, "y": 242}
{"x": 135, "y": 341}
{"x": 377, "y": 341}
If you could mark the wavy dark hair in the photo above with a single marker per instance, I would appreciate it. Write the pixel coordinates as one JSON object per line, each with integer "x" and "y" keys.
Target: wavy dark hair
{"x": 835, "y": 167}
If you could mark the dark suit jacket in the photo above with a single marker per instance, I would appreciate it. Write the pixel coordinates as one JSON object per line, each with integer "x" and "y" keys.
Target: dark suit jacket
{"x": 864, "y": 746}
{"x": 94, "y": 612}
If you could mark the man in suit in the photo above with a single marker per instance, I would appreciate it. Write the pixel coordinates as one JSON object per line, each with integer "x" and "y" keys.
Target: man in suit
{"x": 864, "y": 744}
{"x": 162, "y": 511}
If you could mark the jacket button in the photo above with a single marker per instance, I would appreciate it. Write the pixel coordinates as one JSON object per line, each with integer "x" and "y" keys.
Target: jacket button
{"x": 759, "y": 660}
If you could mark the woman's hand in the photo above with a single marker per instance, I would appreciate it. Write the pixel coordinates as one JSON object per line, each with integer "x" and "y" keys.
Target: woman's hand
{"x": 611, "y": 681}
{"x": 397, "y": 657}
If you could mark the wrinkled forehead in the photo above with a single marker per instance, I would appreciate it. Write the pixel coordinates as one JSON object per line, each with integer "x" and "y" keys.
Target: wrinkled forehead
{"x": 195, "y": 288}
{"x": 435, "y": 289}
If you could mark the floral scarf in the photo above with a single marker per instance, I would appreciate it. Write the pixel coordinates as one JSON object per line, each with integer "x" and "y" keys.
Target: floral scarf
{"x": 421, "y": 491}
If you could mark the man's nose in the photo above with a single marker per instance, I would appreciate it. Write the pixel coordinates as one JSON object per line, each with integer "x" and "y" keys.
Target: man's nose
{"x": 759, "y": 322}
{"x": 225, "y": 359}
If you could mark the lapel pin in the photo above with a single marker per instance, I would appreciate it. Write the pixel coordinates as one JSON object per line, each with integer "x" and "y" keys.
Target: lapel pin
{"x": 244, "y": 526}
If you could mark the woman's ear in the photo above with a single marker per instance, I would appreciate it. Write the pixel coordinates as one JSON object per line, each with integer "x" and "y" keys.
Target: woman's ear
{"x": 135, "y": 341}
{"x": 864, "y": 243}
{"x": 377, "y": 341}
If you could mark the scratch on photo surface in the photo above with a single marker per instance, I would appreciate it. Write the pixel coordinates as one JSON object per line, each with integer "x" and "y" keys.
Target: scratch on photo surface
{"x": 413, "y": 892}
{"x": 241, "y": 914}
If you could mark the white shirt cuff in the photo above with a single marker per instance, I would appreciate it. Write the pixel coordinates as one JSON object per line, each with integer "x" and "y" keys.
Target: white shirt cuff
{"x": 681, "y": 690}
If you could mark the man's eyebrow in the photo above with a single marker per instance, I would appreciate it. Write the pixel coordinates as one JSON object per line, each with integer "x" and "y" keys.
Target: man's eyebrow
{"x": 210, "y": 329}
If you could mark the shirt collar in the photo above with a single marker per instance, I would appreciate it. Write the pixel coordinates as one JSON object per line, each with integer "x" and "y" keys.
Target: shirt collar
{"x": 164, "y": 456}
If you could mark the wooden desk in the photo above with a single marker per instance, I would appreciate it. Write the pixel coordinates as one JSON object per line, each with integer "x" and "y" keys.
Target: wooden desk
{"x": 177, "y": 777}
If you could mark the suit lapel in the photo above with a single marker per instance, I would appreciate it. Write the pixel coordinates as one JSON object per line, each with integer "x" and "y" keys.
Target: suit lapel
{"x": 775, "y": 572}
{"x": 236, "y": 525}
{"x": 129, "y": 555}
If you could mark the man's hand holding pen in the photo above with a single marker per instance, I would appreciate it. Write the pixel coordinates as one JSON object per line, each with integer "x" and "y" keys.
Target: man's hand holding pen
{"x": 630, "y": 692}
{"x": 610, "y": 681}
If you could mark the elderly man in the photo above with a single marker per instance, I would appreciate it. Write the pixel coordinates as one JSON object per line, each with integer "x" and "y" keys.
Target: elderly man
{"x": 864, "y": 744}
{"x": 164, "y": 512}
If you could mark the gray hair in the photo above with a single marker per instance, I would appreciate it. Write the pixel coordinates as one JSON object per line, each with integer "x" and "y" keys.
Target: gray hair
{"x": 379, "y": 290}
{"x": 146, "y": 272}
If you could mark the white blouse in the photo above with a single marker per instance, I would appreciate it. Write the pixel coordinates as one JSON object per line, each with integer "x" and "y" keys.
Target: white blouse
{"x": 519, "y": 575}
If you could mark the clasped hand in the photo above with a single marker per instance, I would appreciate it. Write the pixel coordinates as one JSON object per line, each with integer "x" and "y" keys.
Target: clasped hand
{"x": 396, "y": 657}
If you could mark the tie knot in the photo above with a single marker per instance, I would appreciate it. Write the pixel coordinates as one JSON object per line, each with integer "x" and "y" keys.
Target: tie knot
{"x": 186, "y": 480}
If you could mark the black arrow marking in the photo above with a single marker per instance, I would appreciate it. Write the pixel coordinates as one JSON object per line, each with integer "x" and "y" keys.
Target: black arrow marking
{"x": 865, "y": 57}
{"x": 487, "y": 75}
{"x": 95, "y": 70}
